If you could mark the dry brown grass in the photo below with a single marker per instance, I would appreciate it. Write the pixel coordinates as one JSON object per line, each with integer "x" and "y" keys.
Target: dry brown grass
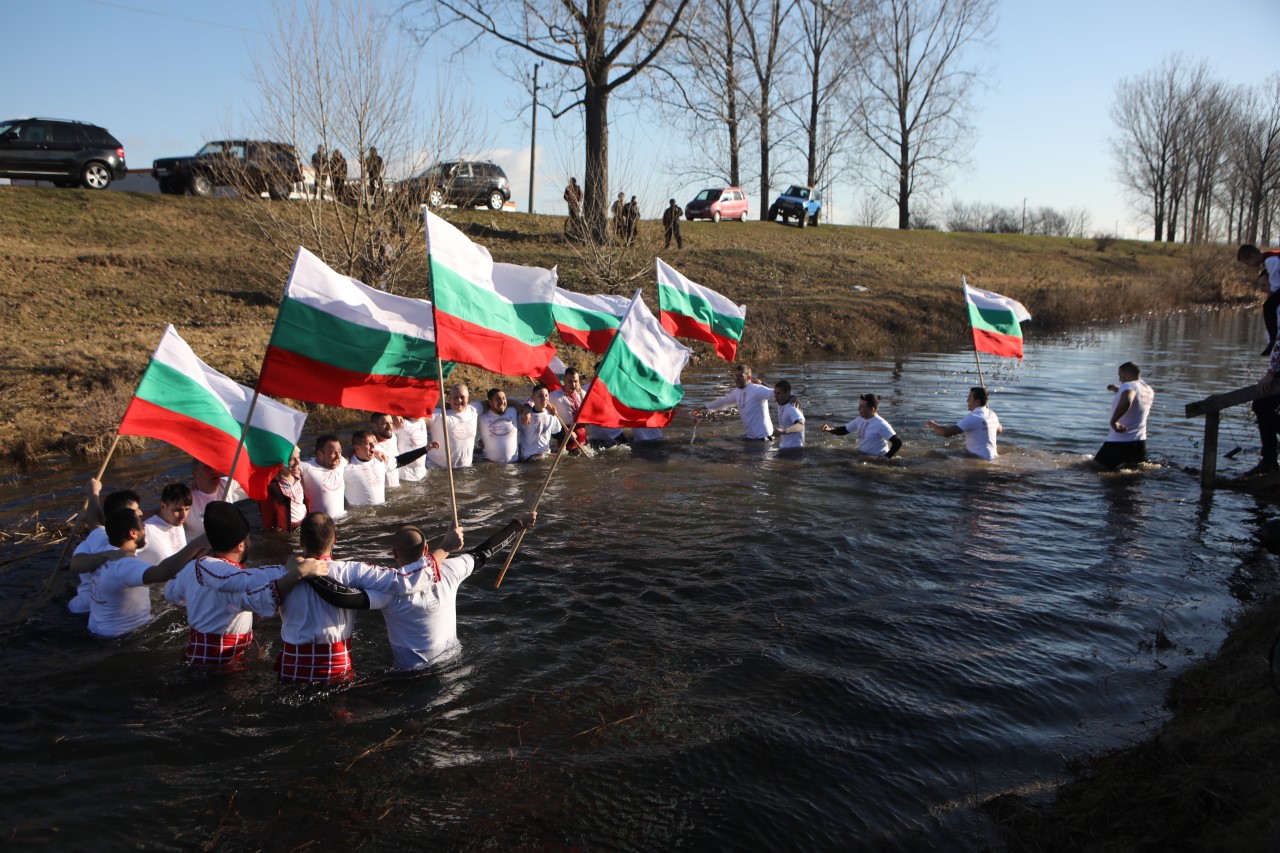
{"x": 91, "y": 279}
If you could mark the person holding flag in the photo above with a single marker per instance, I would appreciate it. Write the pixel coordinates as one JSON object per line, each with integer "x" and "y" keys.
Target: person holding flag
{"x": 980, "y": 427}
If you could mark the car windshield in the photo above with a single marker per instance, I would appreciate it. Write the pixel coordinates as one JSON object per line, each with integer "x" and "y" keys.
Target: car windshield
{"x": 798, "y": 192}
{"x": 7, "y": 126}
{"x": 232, "y": 148}
{"x": 708, "y": 195}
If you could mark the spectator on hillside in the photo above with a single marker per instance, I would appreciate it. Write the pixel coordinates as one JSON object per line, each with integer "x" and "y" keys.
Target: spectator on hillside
{"x": 671, "y": 225}
{"x": 320, "y": 165}
{"x": 338, "y": 174}
{"x": 372, "y": 171}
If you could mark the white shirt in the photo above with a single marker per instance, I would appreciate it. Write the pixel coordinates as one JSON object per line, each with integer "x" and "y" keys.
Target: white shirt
{"x": 163, "y": 540}
{"x": 500, "y": 435}
{"x": 535, "y": 436}
{"x": 1272, "y": 266}
{"x": 199, "y": 500}
{"x": 752, "y": 403}
{"x": 119, "y": 602}
{"x": 422, "y": 628}
{"x": 462, "y": 437}
{"x": 789, "y": 414}
{"x": 217, "y": 593}
{"x": 391, "y": 449}
{"x": 95, "y": 543}
{"x": 412, "y": 435}
{"x": 306, "y": 618}
{"x": 325, "y": 488}
{"x": 980, "y": 427}
{"x": 873, "y": 434}
{"x": 566, "y": 406}
{"x": 1135, "y": 419}
{"x": 366, "y": 482}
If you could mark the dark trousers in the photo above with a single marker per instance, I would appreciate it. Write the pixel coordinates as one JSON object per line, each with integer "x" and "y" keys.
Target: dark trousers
{"x": 1267, "y": 410}
{"x": 1269, "y": 309}
{"x": 673, "y": 231}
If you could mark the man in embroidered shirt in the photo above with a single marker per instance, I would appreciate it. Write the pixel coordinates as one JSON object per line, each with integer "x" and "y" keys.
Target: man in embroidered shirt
{"x": 316, "y": 634}
{"x": 218, "y": 591}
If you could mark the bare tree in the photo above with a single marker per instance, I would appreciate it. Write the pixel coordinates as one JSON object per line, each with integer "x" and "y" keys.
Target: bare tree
{"x": 763, "y": 36}
{"x": 337, "y": 75}
{"x": 829, "y": 44}
{"x": 1213, "y": 114}
{"x": 915, "y": 88}
{"x": 871, "y": 212}
{"x": 708, "y": 105}
{"x": 1256, "y": 155}
{"x": 598, "y": 46}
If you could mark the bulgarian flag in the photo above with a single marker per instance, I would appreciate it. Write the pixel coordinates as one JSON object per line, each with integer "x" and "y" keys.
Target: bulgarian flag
{"x": 185, "y": 402}
{"x": 343, "y": 343}
{"x": 638, "y": 384}
{"x": 693, "y": 311}
{"x": 495, "y": 316}
{"x": 995, "y": 320}
{"x": 588, "y": 321}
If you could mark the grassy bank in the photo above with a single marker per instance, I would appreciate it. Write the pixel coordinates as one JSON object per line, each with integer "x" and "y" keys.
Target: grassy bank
{"x": 90, "y": 280}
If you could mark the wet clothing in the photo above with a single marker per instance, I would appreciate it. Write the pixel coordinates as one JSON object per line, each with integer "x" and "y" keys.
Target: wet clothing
{"x": 199, "y": 500}
{"x": 980, "y": 428}
{"x": 535, "y": 436}
{"x": 95, "y": 543}
{"x": 874, "y": 434}
{"x": 217, "y": 594}
{"x": 325, "y": 488}
{"x": 789, "y": 415}
{"x": 119, "y": 601}
{"x": 285, "y": 506}
{"x": 500, "y": 434}
{"x": 752, "y": 402}
{"x": 411, "y": 435}
{"x": 462, "y": 437}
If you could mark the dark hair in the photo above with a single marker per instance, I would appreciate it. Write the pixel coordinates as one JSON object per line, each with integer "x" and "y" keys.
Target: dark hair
{"x": 742, "y": 368}
{"x": 317, "y": 534}
{"x": 176, "y": 493}
{"x": 1247, "y": 251}
{"x": 980, "y": 394}
{"x": 872, "y": 400}
{"x": 119, "y": 522}
{"x": 119, "y": 498}
{"x": 360, "y": 435}
{"x": 538, "y": 386}
{"x": 569, "y": 370}
{"x": 784, "y": 385}
{"x": 1130, "y": 367}
{"x": 373, "y": 416}
{"x": 325, "y": 439}
{"x": 493, "y": 392}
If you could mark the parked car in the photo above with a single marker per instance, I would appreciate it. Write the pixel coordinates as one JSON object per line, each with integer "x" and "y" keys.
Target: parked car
{"x": 465, "y": 183}
{"x": 717, "y": 204}
{"x": 246, "y": 164}
{"x": 803, "y": 203}
{"x": 68, "y": 153}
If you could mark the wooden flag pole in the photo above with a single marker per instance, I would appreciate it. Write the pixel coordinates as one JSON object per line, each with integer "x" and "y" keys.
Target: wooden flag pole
{"x": 80, "y": 521}
{"x": 444, "y": 429}
{"x": 964, "y": 291}
{"x": 978, "y": 361}
{"x": 244, "y": 434}
{"x": 563, "y": 445}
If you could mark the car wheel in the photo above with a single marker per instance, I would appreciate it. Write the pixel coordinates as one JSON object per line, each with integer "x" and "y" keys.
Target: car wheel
{"x": 802, "y": 219}
{"x": 496, "y": 201}
{"x": 813, "y": 220}
{"x": 200, "y": 186}
{"x": 95, "y": 176}
{"x": 773, "y": 213}
{"x": 715, "y": 216}
{"x": 743, "y": 217}
{"x": 435, "y": 198}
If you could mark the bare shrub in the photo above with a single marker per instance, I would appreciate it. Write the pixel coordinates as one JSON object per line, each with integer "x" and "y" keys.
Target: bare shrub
{"x": 1103, "y": 241}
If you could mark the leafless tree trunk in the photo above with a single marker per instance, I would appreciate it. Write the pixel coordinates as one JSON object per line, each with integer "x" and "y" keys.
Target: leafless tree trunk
{"x": 765, "y": 20}
{"x": 829, "y": 45}
{"x": 598, "y": 45}
{"x": 1256, "y": 156}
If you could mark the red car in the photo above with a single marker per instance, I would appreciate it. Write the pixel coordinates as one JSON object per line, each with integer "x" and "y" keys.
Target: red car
{"x": 717, "y": 204}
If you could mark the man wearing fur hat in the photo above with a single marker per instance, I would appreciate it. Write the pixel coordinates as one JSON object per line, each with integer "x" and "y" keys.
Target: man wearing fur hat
{"x": 219, "y": 592}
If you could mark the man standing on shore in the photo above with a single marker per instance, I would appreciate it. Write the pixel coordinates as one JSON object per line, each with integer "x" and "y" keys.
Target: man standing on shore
{"x": 752, "y": 402}
{"x": 1267, "y": 410}
{"x": 671, "y": 225}
{"x": 1268, "y": 264}
{"x": 980, "y": 426}
{"x": 1126, "y": 444}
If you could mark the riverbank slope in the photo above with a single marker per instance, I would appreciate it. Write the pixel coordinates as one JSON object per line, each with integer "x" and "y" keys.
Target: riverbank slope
{"x": 89, "y": 281}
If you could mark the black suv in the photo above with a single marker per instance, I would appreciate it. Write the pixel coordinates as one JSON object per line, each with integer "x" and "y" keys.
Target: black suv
{"x": 69, "y": 153}
{"x": 463, "y": 182}
{"x": 247, "y": 165}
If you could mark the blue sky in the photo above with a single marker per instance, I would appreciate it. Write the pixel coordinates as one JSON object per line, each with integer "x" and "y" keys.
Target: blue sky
{"x": 166, "y": 76}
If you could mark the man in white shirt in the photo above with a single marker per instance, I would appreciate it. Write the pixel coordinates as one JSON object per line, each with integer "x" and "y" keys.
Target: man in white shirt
{"x": 980, "y": 426}
{"x": 460, "y": 416}
{"x": 1269, "y": 272}
{"x": 385, "y": 433}
{"x": 875, "y": 435}
{"x": 1126, "y": 442}
{"x": 790, "y": 418}
{"x": 95, "y": 550}
{"x": 316, "y": 634}
{"x": 538, "y": 422}
{"x": 567, "y": 400}
{"x": 165, "y": 534}
{"x": 498, "y": 430}
{"x": 208, "y": 484}
{"x": 366, "y": 471}
{"x": 411, "y": 433}
{"x": 422, "y": 627}
{"x": 323, "y": 480}
{"x": 217, "y": 589}
{"x": 752, "y": 402}
{"x": 119, "y": 601}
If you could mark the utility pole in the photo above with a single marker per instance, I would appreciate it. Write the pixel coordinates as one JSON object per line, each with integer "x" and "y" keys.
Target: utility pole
{"x": 533, "y": 141}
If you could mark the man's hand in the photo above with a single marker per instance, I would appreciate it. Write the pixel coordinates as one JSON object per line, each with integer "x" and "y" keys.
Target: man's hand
{"x": 699, "y": 412}
{"x": 1113, "y": 387}
{"x": 1119, "y": 427}
{"x": 307, "y": 567}
{"x": 527, "y": 519}
{"x": 93, "y": 488}
{"x": 453, "y": 540}
{"x": 826, "y": 427}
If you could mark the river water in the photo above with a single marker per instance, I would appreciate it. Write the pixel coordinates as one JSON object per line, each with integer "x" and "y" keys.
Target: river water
{"x": 701, "y": 647}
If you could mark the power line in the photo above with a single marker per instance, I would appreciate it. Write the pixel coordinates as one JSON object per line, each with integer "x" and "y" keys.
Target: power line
{"x": 174, "y": 17}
